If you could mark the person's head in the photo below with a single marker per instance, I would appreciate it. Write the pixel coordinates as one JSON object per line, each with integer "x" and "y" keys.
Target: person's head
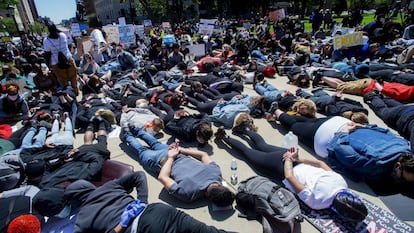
{"x": 197, "y": 86}
{"x": 157, "y": 124}
{"x": 204, "y": 133}
{"x": 176, "y": 47}
{"x": 357, "y": 117}
{"x": 53, "y": 31}
{"x": 26, "y": 223}
{"x": 93, "y": 81}
{"x": 219, "y": 195}
{"x": 51, "y": 202}
{"x": 176, "y": 100}
{"x": 141, "y": 103}
{"x": 349, "y": 206}
{"x": 87, "y": 57}
{"x": 404, "y": 168}
{"x": 305, "y": 107}
{"x": 12, "y": 91}
{"x": 208, "y": 66}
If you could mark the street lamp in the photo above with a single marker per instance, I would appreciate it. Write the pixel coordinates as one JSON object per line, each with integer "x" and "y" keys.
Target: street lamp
{"x": 11, "y": 10}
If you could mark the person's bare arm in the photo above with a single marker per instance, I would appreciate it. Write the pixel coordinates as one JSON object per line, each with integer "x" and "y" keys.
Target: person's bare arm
{"x": 165, "y": 174}
{"x": 288, "y": 171}
{"x": 197, "y": 154}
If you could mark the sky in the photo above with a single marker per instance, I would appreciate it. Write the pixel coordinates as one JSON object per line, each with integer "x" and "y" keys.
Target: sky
{"x": 56, "y": 10}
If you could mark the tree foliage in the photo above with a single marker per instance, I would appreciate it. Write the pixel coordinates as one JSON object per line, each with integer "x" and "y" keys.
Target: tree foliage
{"x": 5, "y": 3}
{"x": 153, "y": 9}
{"x": 7, "y": 25}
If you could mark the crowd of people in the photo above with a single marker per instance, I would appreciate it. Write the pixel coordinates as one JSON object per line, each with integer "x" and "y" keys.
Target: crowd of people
{"x": 154, "y": 88}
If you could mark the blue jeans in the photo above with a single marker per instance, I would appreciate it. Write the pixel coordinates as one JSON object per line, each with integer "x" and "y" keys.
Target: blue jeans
{"x": 62, "y": 139}
{"x": 151, "y": 156}
{"x": 28, "y": 138}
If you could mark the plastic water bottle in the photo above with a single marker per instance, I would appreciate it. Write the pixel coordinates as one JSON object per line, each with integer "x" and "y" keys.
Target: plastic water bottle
{"x": 290, "y": 140}
{"x": 233, "y": 178}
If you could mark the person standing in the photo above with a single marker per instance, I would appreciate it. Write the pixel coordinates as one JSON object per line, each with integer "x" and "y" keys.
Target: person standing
{"x": 55, "y": 43}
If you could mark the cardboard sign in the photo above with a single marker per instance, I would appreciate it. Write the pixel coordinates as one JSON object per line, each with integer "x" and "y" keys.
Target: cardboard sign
{"x": 126, "y": 34}
{"x": 112, "y": 34}
{"x": 75, "y": 28}
{"x": 348, "y": 40}
{"x": 206, "y": 26}
{"x": 166, "y": 25}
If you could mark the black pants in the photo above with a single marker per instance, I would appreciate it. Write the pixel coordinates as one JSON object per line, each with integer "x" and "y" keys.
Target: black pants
{"x": 392, "y": 113}
{"x": 266, "y": 157}
{"x": 160, "y": 217}
{"x": 303, "y": 127}
{"x": 206, "y": 107}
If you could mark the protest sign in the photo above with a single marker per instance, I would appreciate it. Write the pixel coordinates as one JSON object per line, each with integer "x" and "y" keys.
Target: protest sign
{"x": 112, "y": 34}
{"x": 147, "y": 23}
{"x": 166, "y": 25}
{"x": 122, "y": 21}
{"x": 197, "y": 49}
{"x": 277, "y": 14}
{"x": 348, "y": 40}
{"x": 206, "y": 26}
{"x": 75, "y": 28}
{"x": 126, "y": 34}
{"x": 139, "y": 30}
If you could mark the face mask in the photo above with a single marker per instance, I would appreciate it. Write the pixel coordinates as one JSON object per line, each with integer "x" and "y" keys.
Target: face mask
{"x": 64, "y": 213}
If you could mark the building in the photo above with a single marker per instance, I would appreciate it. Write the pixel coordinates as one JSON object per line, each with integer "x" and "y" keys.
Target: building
{"x": 108, "y": 11}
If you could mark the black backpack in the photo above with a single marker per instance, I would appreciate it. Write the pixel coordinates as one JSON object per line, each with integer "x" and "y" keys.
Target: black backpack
{"x": 276, "y": 207}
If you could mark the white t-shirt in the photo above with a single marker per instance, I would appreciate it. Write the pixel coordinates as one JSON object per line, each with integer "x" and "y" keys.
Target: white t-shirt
{"x": 321, "y": 185}
{"x": 326, "y": 132}
{"x": 56, "y": 45}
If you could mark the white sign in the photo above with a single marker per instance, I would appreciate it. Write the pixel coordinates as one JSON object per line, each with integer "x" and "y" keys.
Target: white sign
{"x": 206, "y": 26}
{"x": 348, "y": 40}
{"x": 75, "y": 28}
{"x": 112, "y": 34}
{"x": 126, "y": 34}
{"x": 147, "y": 23}
{"x": 122, "y": 21}
{"x": 166, "y": 25}
{"x": 197, "y": 49}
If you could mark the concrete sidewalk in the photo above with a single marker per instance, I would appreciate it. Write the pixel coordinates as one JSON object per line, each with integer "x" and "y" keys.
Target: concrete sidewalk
{"x": 229, "y": 220}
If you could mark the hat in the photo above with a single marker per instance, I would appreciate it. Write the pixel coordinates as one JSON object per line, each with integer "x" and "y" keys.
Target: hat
{"x": 12, "y": 89}
{"x": 349, "y": 206}
{"x": 49, "y": 202}
{"x": 27, "y": 223}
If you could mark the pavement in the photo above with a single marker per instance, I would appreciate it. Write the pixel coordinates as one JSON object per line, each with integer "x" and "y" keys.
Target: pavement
{"x": 229, "y": 220}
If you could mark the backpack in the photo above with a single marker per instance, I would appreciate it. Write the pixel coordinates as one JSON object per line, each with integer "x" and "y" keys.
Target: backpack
{"x": 276, "y": 207}
{"x": 11, "y": 171}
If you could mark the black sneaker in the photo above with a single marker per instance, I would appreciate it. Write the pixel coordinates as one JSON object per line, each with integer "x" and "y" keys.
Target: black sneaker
{"x": 125, "y": 130}
{"x": 241, "y": 128}
{"x": 273, "y": 107}
{"x": 368, "y": 97}
{"x": 317, "y": 79}
{"x": 220, "y": 134}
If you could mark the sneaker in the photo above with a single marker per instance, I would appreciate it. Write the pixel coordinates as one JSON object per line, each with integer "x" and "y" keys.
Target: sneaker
{"x": 45, "y": 124}
{"x": 65, "y": 115}
{"x": 369, "y": 96}
{"x": 125, "y": 130}
{"x": 241, "y": 128}
{"x": 273, "y": 107}
{"x": 220, "y": 134}
{"x": 317, "y": 79}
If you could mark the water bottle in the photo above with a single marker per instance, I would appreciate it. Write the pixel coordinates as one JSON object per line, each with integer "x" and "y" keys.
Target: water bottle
{"x": 290, "y": 140}
{"x": 233, "y": 179}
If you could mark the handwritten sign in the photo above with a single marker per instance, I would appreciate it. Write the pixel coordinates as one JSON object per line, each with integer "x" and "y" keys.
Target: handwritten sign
{"x": 112, "y": 34}
{"x": 126, "y": 34}
{"x": 147, "y": 23}
{"x": 348, "y": 40}
{"x": 206, "y": 26}
{"x": 378, "y": 220}
{"x": 277, "y": 14}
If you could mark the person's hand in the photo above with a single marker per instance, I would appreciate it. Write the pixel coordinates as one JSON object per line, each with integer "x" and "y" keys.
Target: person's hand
{"x": 131, "y": 212}
{"x": 351, "y": 127}
{"x": 292, "y": 154}
{"x": 174, "y": 150}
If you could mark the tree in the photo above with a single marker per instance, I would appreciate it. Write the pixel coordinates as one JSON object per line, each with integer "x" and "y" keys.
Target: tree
{"x": 38, "y": 28}
{"x": 153, "y": 9}
{"x": 7, "y": 25}
{"x": 5, "y": 3}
